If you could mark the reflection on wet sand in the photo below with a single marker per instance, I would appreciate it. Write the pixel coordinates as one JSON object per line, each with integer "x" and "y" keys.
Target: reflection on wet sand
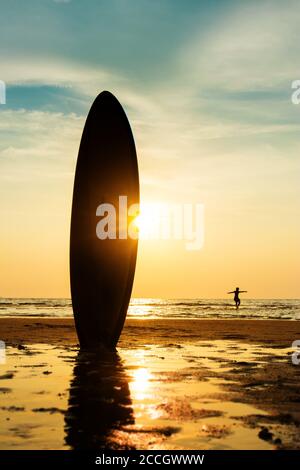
{"x": 209, "y": 395}
{"x": 99, "y": 401}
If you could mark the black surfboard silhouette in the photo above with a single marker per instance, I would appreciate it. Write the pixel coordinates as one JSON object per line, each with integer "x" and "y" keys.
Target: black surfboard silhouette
{"x": 102, "y": 270}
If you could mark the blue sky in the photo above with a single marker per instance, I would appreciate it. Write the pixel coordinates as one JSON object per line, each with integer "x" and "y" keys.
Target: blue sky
{"x": 207, "y": 88}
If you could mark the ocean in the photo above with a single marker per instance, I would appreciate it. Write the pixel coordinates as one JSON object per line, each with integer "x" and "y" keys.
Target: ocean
{"x": 163, "y": 308}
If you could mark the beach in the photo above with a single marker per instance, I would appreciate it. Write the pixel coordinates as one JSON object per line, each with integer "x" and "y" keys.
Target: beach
{"x": 57, "y": 331}
{"x": 172, "y": 384}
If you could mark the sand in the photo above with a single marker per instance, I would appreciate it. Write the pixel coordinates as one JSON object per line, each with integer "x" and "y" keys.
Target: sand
{"x": 173, "y": 384}
{"x": 276, "y": 333}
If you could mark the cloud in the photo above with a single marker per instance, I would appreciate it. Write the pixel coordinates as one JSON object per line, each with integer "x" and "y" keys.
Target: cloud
{"x": 255, "y": 46}
{"x": 38, "y": 144}
{"x": 32, "y": 70}
{"x": 202, "y": 110}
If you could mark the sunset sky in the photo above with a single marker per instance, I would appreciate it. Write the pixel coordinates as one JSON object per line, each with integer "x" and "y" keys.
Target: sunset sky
{"x": 207, "y": 89}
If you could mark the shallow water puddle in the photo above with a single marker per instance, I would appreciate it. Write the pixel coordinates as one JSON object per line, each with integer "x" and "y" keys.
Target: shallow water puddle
{"x": 164, "y": 398}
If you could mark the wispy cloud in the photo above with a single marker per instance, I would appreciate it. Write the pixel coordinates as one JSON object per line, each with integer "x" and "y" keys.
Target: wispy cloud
{"x": 254, "y": 46}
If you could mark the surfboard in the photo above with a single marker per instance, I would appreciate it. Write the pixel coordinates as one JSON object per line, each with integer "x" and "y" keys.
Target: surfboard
{"x": 102, "y": 269}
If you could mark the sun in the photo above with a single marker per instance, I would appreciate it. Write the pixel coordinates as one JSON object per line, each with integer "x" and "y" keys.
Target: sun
{"x": 142, "y": 222}
{"x": 147, "y": 221}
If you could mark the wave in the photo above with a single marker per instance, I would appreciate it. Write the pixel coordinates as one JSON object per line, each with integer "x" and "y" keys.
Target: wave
{"x": 162, "y": 308}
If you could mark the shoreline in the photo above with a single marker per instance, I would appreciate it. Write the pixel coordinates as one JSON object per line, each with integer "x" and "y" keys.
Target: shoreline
{"x": 137, "y": 332}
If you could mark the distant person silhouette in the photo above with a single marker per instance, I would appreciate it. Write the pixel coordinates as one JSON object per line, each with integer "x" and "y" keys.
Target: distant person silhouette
{"x": 236, "y": 293}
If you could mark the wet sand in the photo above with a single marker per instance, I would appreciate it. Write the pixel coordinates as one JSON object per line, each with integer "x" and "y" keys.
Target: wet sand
{"x": 276, "y": 333}
{"x": 173, "y": 384}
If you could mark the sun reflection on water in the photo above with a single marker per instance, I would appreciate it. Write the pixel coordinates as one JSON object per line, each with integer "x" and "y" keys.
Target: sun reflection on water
{"x": 140, "y": 384}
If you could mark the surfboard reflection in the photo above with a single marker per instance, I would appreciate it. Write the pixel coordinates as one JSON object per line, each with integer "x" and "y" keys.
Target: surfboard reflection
{"x": 99, "y": 401}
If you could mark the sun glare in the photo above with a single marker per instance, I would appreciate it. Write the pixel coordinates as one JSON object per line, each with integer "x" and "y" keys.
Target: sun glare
{"x": 148, "y": 220}
{"x": 140, "y": 383}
